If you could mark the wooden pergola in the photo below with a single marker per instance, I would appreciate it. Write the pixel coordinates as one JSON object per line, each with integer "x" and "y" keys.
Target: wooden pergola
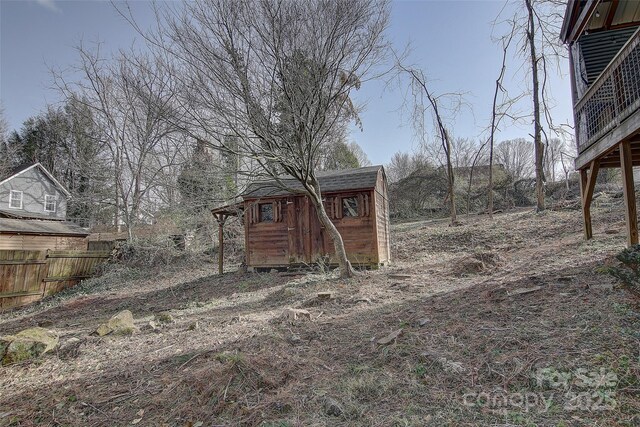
{"x": 221, "y": 214}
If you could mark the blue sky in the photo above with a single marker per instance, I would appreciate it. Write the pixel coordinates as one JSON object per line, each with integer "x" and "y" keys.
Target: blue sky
{"x": 450, "y": 40}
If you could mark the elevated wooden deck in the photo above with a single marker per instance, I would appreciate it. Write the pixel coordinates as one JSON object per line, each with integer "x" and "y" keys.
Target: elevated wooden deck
{"x": 607, "y": 118}
{"x": 609, "y": 111}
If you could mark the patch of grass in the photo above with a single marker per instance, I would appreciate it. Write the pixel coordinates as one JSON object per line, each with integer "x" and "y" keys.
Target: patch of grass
{"x": 629, "y": 270}
{"x": 420, "y": 370}
{"x": 520, "y": 419}
{"x": 243, "y": 286}
{"x": 622, "y": 309}
{"x": 627, "y": 376}
{"x": 276, "y": 424}
{"x": 164, "y": 318}
{"x": 356, "y": 369}
{"x": 288, "y": 292}
{"x": 366, "y": 388}
{"x": 182, "y": 358}
{"x": 232, "y": 358}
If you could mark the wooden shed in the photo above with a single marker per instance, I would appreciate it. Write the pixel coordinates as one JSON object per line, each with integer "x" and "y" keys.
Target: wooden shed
{"x": 282, "y": 229}
{"x": 40, "y": 235}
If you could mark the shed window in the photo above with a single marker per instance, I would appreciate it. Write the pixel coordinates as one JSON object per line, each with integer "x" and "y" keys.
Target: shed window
{"x": 266, "y": 212}
{"x": 15, "y": 199}
{"x": 349, "y": 206}
{"x": 50, "y": 203}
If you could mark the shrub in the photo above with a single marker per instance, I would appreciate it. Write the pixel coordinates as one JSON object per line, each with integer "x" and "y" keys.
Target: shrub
{"x": 629, "y": 270}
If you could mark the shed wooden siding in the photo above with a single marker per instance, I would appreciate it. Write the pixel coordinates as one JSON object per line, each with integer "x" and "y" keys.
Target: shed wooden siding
{"x": 358, "y": 233}
{"x": 382, "y": 219}
{"x": 297, "y": 237}
{"x": 267, "y": 243}
{"x": 28, "y": 242}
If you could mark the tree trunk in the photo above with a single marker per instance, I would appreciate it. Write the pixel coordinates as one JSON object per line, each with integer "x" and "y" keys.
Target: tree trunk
{"x": 117, "y": 210}
{"x": 469, "y": 190}
{"x": 117, "y": 181}
{"x": 129, "y": 232}
{"x": 346, "y": 270}
{"x": 473, "y": 166}
{"x": 539, "y": 148}
{"x": 420, "y": 80}
{"x": 492, "y": 136}
{"x": 490, "y": 185}
{"x": 450, "y": 176}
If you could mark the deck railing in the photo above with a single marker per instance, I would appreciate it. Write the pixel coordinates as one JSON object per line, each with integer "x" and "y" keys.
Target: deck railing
{"x": 613, "y": 97}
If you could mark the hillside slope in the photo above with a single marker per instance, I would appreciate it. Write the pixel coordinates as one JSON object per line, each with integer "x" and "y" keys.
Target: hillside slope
{"x": 491, "y": 323}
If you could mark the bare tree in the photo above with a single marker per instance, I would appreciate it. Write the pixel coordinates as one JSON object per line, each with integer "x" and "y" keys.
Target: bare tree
{"x": 539, "y": 26}
{"x": 359, "y": 153}
{"x": 463, "y": 152}
{"x": 423, "y": 102}
{"x": 277, "y": 76}
{"x": 342, "y": 155}
{"x": 499, "y": 110}
{"x": 4, "y": 126}
{"x": 567, "y": 158}
{"x": 7, "y": 152}
{"x": 537, "y": 124}
{"x": 552, "y": 157}
{"x": 516, "y": 156}
{"x": 477, "y": 157}
{"x": 130, "y": 97}
{"x": 399, "y": 167}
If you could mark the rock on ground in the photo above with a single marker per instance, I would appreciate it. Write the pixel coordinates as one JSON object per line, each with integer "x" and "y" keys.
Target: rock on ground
{"x": 27, "y": 344}
{"x": 293, "y": 314}
{"x": 120, "y": 324}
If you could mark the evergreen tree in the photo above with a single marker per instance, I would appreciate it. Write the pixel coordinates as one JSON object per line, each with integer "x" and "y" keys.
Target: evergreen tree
{"x": 200, "y": 183}
{"x": 67, "y": 143}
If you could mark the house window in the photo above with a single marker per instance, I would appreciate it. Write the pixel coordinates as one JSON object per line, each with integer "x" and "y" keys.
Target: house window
{"x": 349, "y": 206}
{"x": 15, "y": 199}
{"x": 50, "y": 203}
{"x": 266, "y": 212}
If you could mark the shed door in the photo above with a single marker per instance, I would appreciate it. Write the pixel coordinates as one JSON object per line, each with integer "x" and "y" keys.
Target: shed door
{"x": 318, "y": 238}
{"x": 298, "y": 228}
{"x": 307, "y": 237}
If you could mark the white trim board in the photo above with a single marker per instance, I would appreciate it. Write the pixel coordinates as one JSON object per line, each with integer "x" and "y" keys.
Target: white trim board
{"x": 45, "y": 171}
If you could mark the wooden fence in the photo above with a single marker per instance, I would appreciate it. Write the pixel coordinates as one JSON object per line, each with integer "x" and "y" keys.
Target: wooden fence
{"x": 28, "y": 276}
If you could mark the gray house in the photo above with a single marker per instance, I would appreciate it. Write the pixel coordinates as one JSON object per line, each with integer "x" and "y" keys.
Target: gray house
{"x": 33, "y": 208}
{"x": 30, "y": 191}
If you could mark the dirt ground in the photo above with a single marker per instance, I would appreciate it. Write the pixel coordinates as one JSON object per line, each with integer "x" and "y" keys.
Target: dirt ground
{"x": 503, "y": 323}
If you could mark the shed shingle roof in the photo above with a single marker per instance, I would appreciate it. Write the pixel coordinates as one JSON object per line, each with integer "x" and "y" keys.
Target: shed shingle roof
{"x": 330, "y": 181}
{"x": 35, "y": 226}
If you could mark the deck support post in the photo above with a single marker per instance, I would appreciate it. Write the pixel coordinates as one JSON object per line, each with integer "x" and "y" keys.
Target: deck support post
{"x": 587, "y": 184}
{"x": 630, "y": 213}
{"x": 221, "y": 219}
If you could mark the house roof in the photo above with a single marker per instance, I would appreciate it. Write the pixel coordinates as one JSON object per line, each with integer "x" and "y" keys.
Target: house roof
{"x": 18, "y": 170}
{"x": 40, "y": 227}
{"x": 330, "y": 181}
{"x": 4, "y": 213}
{"x": 590, "y": 16}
